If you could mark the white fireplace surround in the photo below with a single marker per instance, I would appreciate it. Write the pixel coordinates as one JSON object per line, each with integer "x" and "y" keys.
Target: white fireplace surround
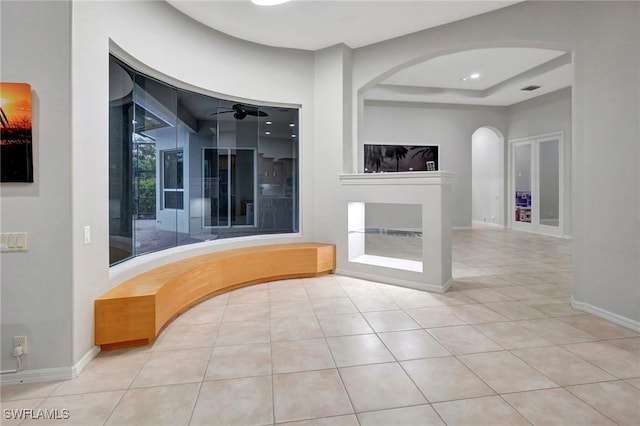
{"x": 430, "y": 190}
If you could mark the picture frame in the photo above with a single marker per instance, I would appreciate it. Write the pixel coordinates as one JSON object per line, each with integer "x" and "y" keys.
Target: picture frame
{"x": 380, "y": 158}
{"x": 16, "y": 141}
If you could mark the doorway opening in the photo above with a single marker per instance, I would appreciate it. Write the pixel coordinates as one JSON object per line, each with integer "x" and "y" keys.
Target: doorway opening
{"x": 487, "y": 177}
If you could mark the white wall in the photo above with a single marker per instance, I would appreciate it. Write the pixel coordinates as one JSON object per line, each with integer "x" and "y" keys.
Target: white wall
{"x": 487, "y": 188}
{"x": 604, "y": 38}
{"x": 449, "y": 126}
{"x": 393, "y": 216}
{"x": 547, "y": 114}
{"x": 36, "y": 285}
{"x": 332, "y": 117}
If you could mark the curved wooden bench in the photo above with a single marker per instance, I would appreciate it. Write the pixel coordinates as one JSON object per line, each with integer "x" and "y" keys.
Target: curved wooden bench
{"x": 134, "y": 312}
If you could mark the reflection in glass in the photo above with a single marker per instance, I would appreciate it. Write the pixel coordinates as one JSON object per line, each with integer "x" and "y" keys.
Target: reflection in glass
{"x": 522, "y": 178}
{"x": 172, "y": 182}
{"x": 155, "y": 142}
{"x": 388, "y": 235}
{"x": 187, "y": 168}
{"x": 120, "y": 162}
{"x": 212, "y": 189}
{"x": 393, "y": 230}
{"x": 549, "y": 152}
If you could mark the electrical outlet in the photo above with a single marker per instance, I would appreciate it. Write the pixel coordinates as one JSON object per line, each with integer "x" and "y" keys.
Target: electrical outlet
{"x": 20, "y": 341}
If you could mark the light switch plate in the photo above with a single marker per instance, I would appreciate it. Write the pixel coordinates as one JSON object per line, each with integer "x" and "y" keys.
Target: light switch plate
{"x": 13, "y": 241}
{"x": 87, "y": 235}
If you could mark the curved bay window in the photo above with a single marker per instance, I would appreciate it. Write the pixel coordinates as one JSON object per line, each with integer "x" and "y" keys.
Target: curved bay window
{"x": 185, "y": 167}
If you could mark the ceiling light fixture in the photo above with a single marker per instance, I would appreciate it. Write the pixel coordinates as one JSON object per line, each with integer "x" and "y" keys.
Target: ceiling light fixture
{"x": 267, "y": 133}
{"x": 268, "y": 2}
{"x": 268, "y": 123}
{"x": 293, "y": 136}
{"x": 473, "y": 76}
{"x": 292, "y": 125}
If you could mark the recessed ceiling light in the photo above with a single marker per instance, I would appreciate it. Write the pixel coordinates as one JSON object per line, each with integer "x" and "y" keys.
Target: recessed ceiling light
{"x": 474, "y": 76}
{"x": 268, "y": 123}
{"x": 293, "y": 136}
{"x": 267, "y": 133}
{"x": 268, "y": 2}
{"x": 292, "y": 125}
{"x": 464, "y": 79}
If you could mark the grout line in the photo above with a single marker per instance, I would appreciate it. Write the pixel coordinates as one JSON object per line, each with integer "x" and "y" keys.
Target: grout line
{"x": 113, "y": 409}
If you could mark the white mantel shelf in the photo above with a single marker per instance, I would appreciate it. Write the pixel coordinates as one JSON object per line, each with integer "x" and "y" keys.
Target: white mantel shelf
{"x": 398, "y": 178}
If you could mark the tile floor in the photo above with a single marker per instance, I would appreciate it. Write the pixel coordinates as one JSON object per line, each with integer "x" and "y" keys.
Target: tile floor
{"x": 503, "y": 346}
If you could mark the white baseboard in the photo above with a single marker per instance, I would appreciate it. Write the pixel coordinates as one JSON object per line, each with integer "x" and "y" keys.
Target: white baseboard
{"x": 50, "y": 374}
{"x": 40, "y": 375}
{"x": 402, "y": 283}
{"x": 604, "y": 314}
{"x": 84, "y": 361}
{"x": 491, "y": 224}
{"x": 462, "y": 228}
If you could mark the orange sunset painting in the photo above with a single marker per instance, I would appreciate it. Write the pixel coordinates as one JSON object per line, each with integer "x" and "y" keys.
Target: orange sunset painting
{"x": 15, "y": 133}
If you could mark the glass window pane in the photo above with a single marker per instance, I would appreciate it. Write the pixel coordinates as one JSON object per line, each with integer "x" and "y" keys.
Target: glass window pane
{"x": 187, "y": 167}
{"x": 522, "y": 178}
{"x": 278, "y": 170}
{"x": 243, "y": 186}
{"x": 156, "y": 226}
{"x": 174, "y": 200}
{"x": 393, "y": 230}
{"x": 173, "y": 170}
{"x": 550, "y": 183}
{"x": 120, "y": 161}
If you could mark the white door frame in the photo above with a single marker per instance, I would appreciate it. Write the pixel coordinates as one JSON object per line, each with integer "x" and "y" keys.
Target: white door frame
{"x": 536, "y": 226}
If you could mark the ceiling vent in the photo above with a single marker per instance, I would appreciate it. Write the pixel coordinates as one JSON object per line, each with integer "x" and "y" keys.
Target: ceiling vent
{"x": 531, "y": 88}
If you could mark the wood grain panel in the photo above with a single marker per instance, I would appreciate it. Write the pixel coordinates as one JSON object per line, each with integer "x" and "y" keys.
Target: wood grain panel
{"x": 134, "y": 312}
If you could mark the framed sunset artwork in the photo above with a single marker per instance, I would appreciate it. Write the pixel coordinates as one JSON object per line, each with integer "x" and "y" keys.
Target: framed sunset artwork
{"x": 16, "y": 142}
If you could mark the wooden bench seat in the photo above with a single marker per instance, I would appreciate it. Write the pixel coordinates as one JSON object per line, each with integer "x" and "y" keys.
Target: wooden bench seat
{"x": 134, "y": 312}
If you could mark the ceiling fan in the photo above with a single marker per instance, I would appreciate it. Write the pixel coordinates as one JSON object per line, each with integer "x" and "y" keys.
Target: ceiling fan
{"x": 240, "y": 111}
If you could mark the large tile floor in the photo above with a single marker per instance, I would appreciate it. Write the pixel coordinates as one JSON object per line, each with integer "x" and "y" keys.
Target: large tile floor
{"x": 503, "y": 346}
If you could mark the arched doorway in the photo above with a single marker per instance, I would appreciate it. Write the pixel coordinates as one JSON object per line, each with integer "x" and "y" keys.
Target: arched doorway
{"x": 487, "y": 177}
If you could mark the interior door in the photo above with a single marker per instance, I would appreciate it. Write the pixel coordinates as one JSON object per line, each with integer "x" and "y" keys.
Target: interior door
{"x": 214, "y": 189}
{"x": 229, "y": 187}
{"x": 243, "y": 187}
{"x": 536, "y": 185}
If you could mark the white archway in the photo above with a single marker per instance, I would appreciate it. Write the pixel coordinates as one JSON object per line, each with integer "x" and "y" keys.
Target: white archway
{"x": 487, "y": 176}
